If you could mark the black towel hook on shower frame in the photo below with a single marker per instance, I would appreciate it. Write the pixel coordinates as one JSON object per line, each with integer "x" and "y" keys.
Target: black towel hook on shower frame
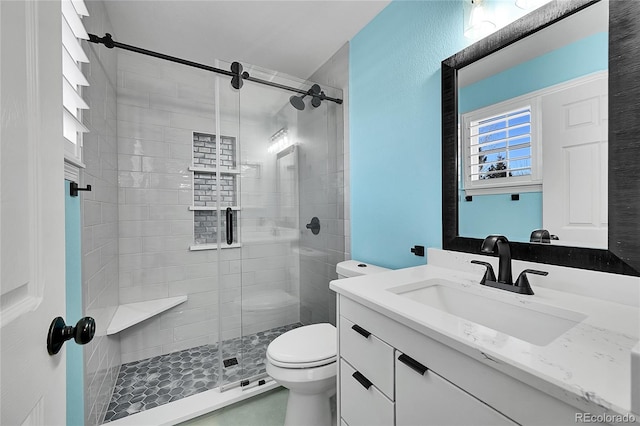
{"x": 237, "y": 74}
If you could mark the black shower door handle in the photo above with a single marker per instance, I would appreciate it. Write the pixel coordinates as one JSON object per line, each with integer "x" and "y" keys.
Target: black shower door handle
{"x": 229, "y": 226}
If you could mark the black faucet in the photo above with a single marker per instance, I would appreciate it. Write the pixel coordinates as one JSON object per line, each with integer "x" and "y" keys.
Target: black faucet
{"x": 500, "y": 244}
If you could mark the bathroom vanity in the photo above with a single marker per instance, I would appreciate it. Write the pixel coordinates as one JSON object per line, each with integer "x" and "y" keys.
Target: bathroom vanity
{"x": 430, "y": 345}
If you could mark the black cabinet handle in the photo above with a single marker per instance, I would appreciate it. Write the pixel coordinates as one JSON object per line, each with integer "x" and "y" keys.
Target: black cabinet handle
{"x": 360, "y": 330}
{"x": 229, "y": 226}
{"x": 362, "y": 380}
{"x": 413, "y": 364}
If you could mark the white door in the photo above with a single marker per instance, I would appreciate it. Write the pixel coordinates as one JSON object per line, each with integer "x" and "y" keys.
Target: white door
{"x": 574, "y": 150}
{"x": 32, "y": 279}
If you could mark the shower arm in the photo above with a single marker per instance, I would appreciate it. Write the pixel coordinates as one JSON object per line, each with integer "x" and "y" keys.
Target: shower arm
{"x": 236, "y": 68}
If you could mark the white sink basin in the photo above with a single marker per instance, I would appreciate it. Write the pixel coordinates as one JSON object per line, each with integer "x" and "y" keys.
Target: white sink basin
{"x": 507, "y": 313}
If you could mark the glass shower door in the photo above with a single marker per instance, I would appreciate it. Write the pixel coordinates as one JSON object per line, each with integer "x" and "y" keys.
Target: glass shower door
{"x": 261, "y": 290}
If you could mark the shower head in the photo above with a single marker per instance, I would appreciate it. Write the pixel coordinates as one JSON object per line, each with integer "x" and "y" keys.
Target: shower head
{"x": 297, "y": 102}
{"x": 315, "y": 91}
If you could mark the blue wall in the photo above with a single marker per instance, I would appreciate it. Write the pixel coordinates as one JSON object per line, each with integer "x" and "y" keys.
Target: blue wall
{"x": 395, "y": 129}
{"x": 497, "y": 214}
{"x": 73, "y": 270}
{"x": 583, "y": 57}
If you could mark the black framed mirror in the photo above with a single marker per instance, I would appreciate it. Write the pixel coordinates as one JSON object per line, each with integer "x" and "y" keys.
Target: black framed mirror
{"x": 623, "y": 253}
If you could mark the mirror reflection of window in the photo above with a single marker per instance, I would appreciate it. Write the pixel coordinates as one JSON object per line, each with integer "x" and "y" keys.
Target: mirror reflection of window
{"x": 500, "y": 146}
{"x": 504, "y": 145}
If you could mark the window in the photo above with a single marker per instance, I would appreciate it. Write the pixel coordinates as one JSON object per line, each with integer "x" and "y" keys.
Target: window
{"x": 72, "y": 82}
{"x": 500, "y": 145}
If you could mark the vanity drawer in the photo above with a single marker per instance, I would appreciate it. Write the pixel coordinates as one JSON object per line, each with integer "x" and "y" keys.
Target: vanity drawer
{"x": 359, "y": 405}
{"x": 368, "y": 354}
{"x": 422, "y": 394}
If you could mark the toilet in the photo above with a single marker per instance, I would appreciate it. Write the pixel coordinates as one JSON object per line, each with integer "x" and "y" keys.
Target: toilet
{"x": 303, "y": 360}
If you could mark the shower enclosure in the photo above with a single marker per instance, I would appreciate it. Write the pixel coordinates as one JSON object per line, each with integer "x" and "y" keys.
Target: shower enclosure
{"x": 282, "y": 183}
{"x": 215, "y": 188}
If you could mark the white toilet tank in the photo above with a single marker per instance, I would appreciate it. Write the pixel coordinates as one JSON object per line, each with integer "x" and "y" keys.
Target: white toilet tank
{"x": 354, "y": 268}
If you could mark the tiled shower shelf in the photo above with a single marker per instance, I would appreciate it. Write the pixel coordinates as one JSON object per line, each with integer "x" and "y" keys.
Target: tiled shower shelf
{"x": 214, "y": 246}
{"x": 213, "y": 208}
{"x": 214, "y": 170}
{"x": 133, "y": 313}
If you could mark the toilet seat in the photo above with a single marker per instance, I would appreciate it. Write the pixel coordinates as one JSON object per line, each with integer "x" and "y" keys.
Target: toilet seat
{"x": 304, "y": 347}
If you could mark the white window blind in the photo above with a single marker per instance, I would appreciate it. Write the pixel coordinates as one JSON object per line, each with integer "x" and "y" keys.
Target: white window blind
{"x": 72, "y": 78}
{"x": 501, "y": 145}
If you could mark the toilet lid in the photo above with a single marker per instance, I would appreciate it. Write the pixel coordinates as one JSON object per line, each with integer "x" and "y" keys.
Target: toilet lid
{"x": 304, "y": 347}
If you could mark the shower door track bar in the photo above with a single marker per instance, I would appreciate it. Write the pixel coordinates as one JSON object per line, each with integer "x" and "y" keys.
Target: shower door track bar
{"x": 236, "y": 72}
{"x": 248, "y": 380}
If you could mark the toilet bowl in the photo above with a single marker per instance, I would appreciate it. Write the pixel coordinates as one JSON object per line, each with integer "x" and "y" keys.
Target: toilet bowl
{"x": 303, "y": 360}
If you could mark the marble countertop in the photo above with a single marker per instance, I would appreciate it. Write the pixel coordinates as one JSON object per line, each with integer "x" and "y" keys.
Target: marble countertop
{"x": 589, "y": 366}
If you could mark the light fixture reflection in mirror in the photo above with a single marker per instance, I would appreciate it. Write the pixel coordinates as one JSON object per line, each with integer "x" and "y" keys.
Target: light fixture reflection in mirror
{"x": 279, "y": 141}
{"x": 477, "y": 20}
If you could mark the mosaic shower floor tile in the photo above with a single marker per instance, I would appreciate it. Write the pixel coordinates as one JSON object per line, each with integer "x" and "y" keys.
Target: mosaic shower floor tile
{"x": 145, "y": 384}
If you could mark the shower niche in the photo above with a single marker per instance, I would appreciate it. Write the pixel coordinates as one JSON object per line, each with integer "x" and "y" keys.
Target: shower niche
{"x": 215, "y": 188}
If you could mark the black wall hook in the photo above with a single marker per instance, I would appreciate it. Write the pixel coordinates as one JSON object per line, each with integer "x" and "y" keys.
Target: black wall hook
{"x": 74, "y": 189}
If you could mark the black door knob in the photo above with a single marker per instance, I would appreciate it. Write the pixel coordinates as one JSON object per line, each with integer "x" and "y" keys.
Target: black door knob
{"x": 59, "y": 333}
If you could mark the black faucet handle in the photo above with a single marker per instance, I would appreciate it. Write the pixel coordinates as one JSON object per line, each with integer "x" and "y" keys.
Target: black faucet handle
{"x": 523, "y": 281}
{"x": 489, "y": 275}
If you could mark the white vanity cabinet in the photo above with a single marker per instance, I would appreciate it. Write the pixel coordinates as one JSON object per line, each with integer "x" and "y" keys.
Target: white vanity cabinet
{"x": 390, "y": 374}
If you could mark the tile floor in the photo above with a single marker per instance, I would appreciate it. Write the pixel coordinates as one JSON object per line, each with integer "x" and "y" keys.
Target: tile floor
{"x": 267, "y": 409}
{"x": 145, "y": 384}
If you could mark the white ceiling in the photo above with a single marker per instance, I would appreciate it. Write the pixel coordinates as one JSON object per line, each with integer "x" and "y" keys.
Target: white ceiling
{"x": 295, "y": 37}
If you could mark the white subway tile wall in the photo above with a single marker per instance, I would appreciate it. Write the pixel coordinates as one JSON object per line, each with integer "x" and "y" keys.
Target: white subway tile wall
{"x": 100, "y": 219}
{"x": 324, "y": 193}
{"x": 158, "y": 102}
